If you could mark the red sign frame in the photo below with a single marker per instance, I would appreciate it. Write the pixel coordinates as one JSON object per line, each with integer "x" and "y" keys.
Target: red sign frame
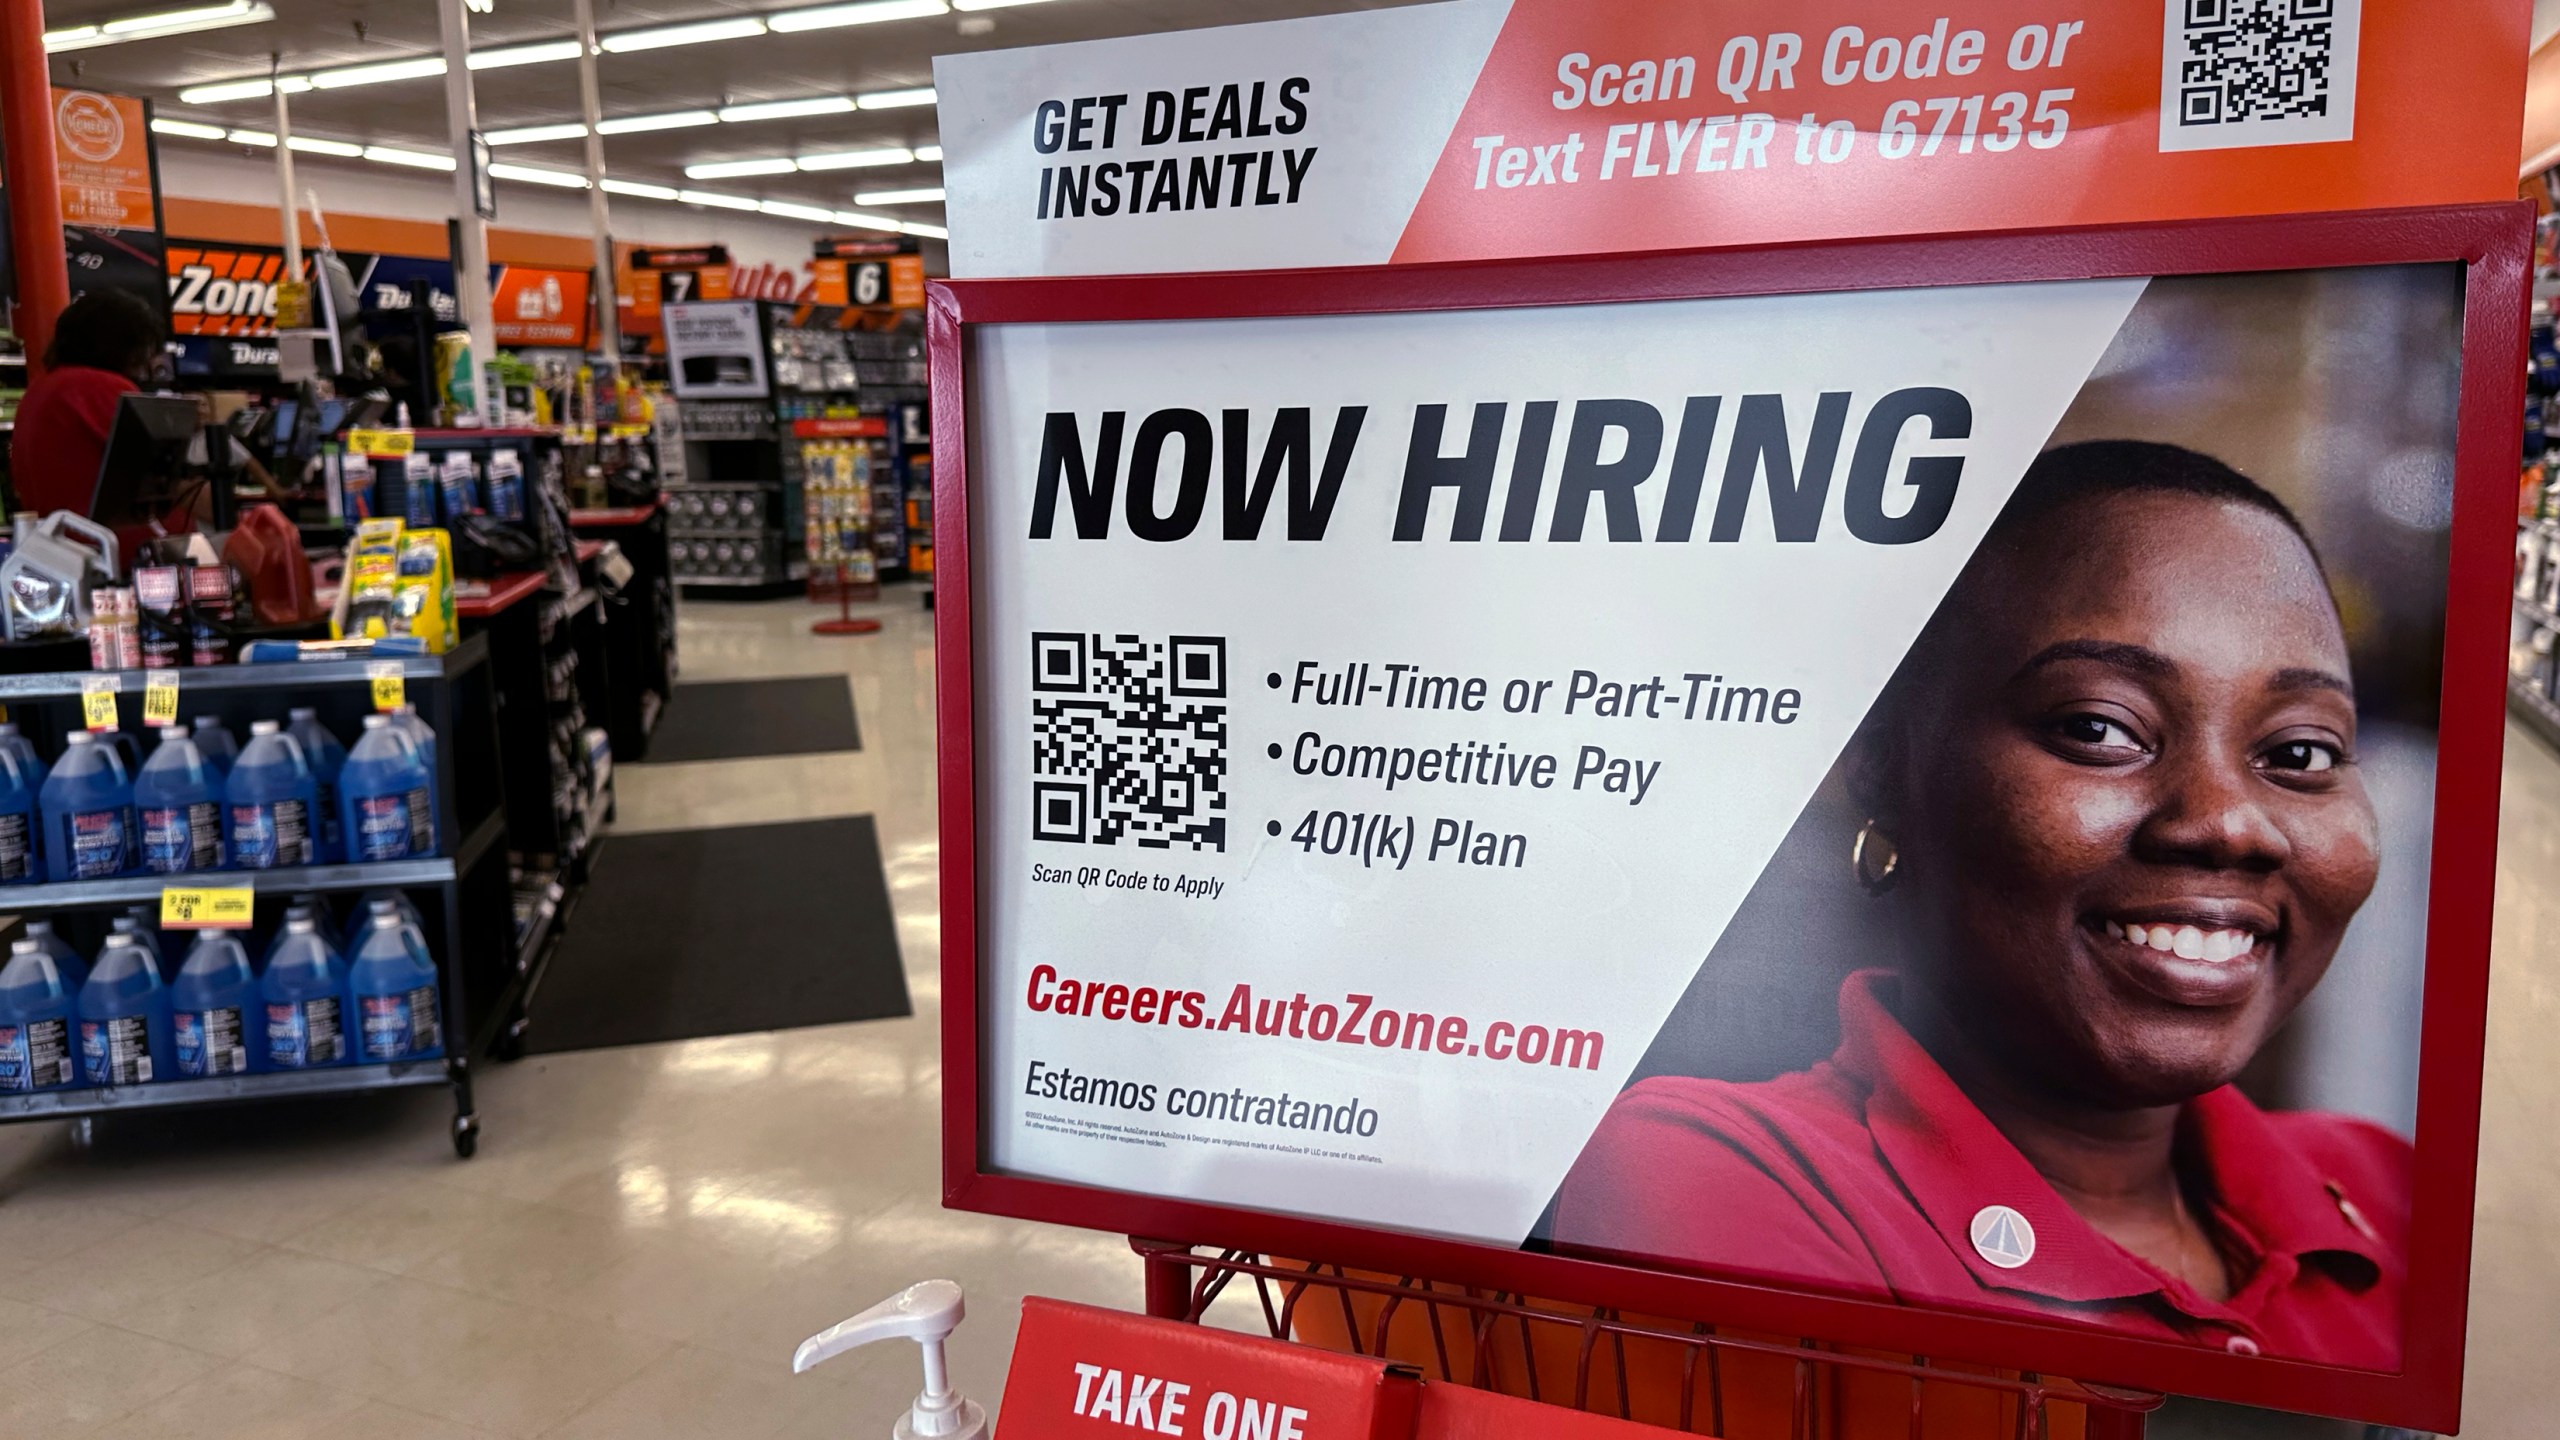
{"x": 2493, "y": 241}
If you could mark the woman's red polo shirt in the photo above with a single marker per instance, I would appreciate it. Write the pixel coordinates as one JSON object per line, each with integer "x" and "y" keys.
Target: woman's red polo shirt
{"x": 1870, "y": 1173}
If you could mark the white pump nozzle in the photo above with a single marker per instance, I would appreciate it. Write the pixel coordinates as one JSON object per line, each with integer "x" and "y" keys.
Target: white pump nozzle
{"x": 925, "y": 1312}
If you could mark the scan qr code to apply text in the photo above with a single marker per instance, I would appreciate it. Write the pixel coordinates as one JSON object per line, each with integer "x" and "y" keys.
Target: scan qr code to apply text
{"x": 1129, "y": 740}
{"x": 2238, "y": 73}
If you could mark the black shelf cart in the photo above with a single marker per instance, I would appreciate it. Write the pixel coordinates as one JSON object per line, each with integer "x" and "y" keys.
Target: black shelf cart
{"x": 462, "y": 894}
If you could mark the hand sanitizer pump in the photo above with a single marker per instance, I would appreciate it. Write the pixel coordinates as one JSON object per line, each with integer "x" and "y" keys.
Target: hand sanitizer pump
{"x": 925, "y": 1312}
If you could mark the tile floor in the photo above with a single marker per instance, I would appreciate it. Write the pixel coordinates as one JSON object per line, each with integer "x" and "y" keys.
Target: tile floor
{"x": 647, "y": 1232}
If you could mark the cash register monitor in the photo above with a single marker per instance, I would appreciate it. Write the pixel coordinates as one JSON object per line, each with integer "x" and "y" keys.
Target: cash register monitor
{"x": 145, "y": 467}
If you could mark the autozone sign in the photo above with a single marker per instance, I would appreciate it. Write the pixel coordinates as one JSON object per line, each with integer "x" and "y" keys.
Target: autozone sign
{"x": 223, "y": 290}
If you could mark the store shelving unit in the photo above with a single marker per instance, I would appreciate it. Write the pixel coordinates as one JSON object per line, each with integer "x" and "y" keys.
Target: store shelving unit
{"x": 461, "y": 893}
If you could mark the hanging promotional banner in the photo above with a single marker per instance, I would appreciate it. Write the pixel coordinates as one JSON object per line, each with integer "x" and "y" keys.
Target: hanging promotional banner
{"x": 1700, "y": 782}
{"x": 537, "y": 306}
{"x": 1486, "y": 128}
{"x": 102, "y": 152}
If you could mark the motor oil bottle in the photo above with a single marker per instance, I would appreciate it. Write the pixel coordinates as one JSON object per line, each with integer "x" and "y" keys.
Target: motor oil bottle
{"x": 124, "y": 1017}
{"x": 269, "y": 799}
{"x": 178, "y": 799}
{"x": 38, "y": 1009}
{"x": 217, "y": 1010}
{"x": 87, "y": 806}
{"x": 305, "y": 991}
{"x": 391, "y": 984}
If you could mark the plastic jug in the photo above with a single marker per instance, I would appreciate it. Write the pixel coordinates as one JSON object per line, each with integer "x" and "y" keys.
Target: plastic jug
{"x": 178, "y": 800}
{"x": 215, "y": 1005}
{"x": 37, "y": 1012}
{"x": 95, "y": 543}
{"x": 326, "y": 757}
{"x": 360, "y": 916}
{"x": 219, "y": 748}
{"x": 392, "y": 985}
{"x": 16, "y": 743}
{"x": 88, "y": 812}
{"x": 44, "y": 588}
{"x": 271, "y": 800}
{"x": 19, "y": 826}
{"x": 75, "y": 971}
{"x": 305, "y": 991}
{"x": 384, "y": 796}
{"x": 425, "y": 739}
{"x": 124, "y": 1017}
{"x": 266, "y": 548}
{"x": 143, "y": 935}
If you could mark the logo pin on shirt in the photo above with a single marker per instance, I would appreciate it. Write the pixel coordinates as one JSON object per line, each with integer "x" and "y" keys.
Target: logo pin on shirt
{"x": 2003, "y": 1237}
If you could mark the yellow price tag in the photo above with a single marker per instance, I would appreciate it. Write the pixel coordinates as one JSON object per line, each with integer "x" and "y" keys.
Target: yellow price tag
{"x": 389, "y": 690}
{"x": 227, "y": 907}
{"x": 98, "y": 701}
{"x": 382, "y": 444}
{"x": 160, "y": 698}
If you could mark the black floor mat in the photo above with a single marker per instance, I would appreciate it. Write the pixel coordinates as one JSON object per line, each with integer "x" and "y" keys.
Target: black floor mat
{"x": 688, "y": 933}
{"x": 739, "y": 719}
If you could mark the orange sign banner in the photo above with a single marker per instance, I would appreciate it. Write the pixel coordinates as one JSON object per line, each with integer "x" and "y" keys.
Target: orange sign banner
{"x": 536, "y": 306}
{"x": 102, "y": 148}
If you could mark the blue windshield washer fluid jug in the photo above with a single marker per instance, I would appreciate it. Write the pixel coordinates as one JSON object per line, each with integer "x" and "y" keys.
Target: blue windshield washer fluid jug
{"x": 88, "y": 812}
{"x": 321, "y": 750}
{"x": 217, "y": 1012}
{"x": 305, "y": 991}
{"x": 221, "y": 750}
{"x": 37, "y": 1014}
{"x": 385, "y": 795}
{"x": 269, "y": 799}
{"x": 124, "y": 1017}
{"x": 391, "y": 982}
{"x": 178, "y": 801}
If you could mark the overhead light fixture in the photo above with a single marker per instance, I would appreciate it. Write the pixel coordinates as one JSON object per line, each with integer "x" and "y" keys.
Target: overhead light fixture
{"x": 866, "y": 222}
{"x": 166, "y": 22}
{"x": 422, "y": 68}
{"x": 928, "y": 196}
{"x": 639, "y": 189}
{"x": 414, "y": 159}
{"x": 257, "y": 89}
{"x": 965, "y": 6}
{"x": 870, "y": 12}
{"x": 313, "y": 145}
{"x": 929, "y": 154}
{"x": 786, "y": 109}
{"x": 857, "y": 159}
{"x": 716, "y": 200}
{"x": 188, "y": 128}
{"x": 504, "y": 56}
{"x": 259, "y": 138}
{"x": 534, "y": 175}
{"x": 788, "y": 211}
{"x": 738, "y": 169}
{"x": 671, "y": 120}
{"x": 699, "y": 33}
{"x": 536, "y": 134}
{"x": 895, "y": 99}
{"x": 918, "y": 227}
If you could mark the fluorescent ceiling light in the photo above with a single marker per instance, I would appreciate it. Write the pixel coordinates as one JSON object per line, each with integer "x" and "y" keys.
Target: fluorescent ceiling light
{"x": 414, "y": 159}
{"x": 968, "y": 5}
{"x": 786, "y": 109}
{"x": 736, "y": 169}
{"x": 699, "y": 33}
{"x": 258, "y": 89}
{"x": 506, "y": 55}
{"x": 187, "y": 128}
{"x": 716, "y": 200}
{"x": 866, "y": 222}
{"x": 856, "y": 159}
{"x": 535, "y": 134}
{"x": 532, "y": 175}
{"x": 639, "y": 189}
{"x": 931, "y": 196}
{"x": 421, "y": 68}
{"x": 313, "y": 145}
{"x": 918, "y": 227}
{"x": 788, "y": 211}
{"x": 671, "y": 120}
{"x": 166, "y": 22}
{"x": 895, "y": 99}
{"x": 259, "y": 138}
{"x": 929, "y": 154}
{"x": 824, "y": 17}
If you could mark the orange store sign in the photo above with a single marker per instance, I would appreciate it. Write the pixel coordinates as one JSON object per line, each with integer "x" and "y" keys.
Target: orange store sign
{"x": 102, "y": 149}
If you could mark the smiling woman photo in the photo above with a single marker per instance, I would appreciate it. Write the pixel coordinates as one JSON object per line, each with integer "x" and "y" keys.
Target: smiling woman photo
{"x": 2116, "y": 808}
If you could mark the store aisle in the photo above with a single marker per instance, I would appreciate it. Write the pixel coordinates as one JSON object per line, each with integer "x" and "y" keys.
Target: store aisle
{"x": 648, "y": 1230}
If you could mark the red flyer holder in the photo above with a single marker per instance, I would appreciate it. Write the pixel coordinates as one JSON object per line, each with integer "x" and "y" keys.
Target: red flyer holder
{"x": 1080, "y": 1371}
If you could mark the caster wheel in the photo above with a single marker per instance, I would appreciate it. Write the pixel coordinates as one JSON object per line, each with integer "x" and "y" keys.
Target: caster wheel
{"x": 466, "y": 1136}
{"x": 509, "y": 1044}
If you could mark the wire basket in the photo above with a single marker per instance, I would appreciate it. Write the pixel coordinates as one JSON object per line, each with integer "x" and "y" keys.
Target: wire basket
{"x": 1693, "y": 1378}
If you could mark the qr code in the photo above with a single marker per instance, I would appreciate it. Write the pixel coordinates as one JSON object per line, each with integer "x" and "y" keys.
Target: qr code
{"x": 1129, "y": 740}
{"x": 2237, "y": 73}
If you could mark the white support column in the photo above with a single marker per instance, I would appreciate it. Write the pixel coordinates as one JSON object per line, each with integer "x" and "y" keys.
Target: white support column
{"x": 471, "y": 277}
{"x": 284, "y": 182}
{"x": 599, "y": 210}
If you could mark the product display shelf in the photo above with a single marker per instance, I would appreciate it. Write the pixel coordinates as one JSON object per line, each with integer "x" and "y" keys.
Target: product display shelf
{"x": 467, "y": 923}
{"x": 640, "y": 623}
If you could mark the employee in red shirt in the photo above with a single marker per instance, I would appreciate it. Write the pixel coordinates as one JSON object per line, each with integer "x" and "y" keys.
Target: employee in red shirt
{"x": 2117, "y": 809}
{"x": 105, "y": 345}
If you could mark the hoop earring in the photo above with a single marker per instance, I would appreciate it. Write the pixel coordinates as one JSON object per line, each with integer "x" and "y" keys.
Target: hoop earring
{"x": 1874, "y": 859}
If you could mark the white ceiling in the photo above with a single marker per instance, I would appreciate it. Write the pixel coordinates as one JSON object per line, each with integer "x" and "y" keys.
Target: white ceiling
{"x": 314, "y": 34}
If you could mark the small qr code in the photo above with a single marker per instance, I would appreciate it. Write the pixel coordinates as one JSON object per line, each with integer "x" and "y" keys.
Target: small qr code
{"x": 1129, "y": 740}
{"x": 2258, "y": 72}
